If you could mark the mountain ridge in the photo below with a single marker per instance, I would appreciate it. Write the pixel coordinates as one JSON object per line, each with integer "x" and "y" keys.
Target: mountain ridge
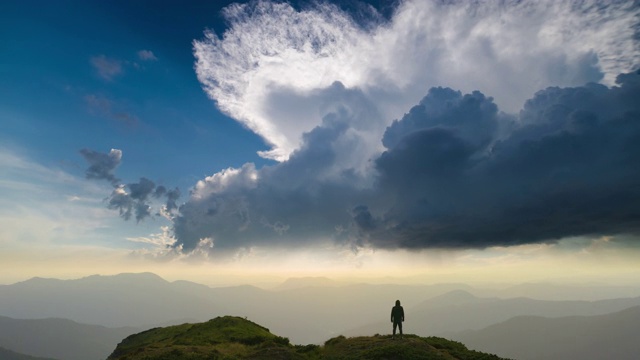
{"x": 230, "y": 337}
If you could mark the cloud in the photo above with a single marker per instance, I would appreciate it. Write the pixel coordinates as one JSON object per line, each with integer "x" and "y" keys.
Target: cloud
{"x": 474, "y": 163}
{"x": 103, "y": 106}
{"x": 146, "y": 55}
{"x": 273, "y": 54}
{"x": 295, "y": 203}
{"x": 107, "y": 68}
{"x": 566, "y": 169}
{"x": 102, "y": 166}
{"x": 172, "y": 196}
{"x": 456, "y": 173}
{"x": 132, "y": 198}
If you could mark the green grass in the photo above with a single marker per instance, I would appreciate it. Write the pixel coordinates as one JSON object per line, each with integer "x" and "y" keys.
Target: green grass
{"x": 410, "y": 347}
{"x": 234, "y": 338}
{"x": 220, "y": 338}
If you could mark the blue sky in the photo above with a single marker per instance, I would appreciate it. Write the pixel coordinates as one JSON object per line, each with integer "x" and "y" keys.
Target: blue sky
{"x": 371, "y": 133}
{"x": 58, "y": 100}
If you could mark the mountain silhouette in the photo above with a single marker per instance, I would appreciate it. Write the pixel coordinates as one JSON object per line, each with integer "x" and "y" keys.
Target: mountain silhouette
{"x": 609, "y": 336}
{"x": 59, "y": 338}
{"x": 6, "y": 354}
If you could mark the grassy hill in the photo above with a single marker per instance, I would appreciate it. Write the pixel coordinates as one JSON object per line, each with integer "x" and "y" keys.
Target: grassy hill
{"x": 237, "y": 338}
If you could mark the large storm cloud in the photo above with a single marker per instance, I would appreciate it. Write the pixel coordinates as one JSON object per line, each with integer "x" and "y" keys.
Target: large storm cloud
{"x": 456, "y": 172}
{"x": 512, "y": 125}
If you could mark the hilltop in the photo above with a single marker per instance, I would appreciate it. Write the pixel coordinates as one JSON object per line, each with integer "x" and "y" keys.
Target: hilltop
{"x": 231, "y": 337}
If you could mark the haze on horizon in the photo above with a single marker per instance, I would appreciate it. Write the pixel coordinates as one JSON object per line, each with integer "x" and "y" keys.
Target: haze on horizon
{"x": 250, "y": 142}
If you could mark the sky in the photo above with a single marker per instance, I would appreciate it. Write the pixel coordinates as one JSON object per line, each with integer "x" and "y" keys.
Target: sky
{"x": 230, "y": 142}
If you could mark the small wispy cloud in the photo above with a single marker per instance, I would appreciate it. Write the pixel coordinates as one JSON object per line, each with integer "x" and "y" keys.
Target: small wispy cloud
{"x": 103, "y": 106}
{"x": 161, "y": 240}
{"x": 147, "y": 55}
{"x": 107, "y": 68}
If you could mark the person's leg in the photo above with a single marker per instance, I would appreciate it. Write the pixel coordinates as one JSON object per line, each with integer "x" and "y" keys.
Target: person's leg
{"x": 395, "y": 324}
{"x": 400, "y": 328}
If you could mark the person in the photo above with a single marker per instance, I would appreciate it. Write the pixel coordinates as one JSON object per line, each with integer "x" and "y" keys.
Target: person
{"x": 397, "y": 317}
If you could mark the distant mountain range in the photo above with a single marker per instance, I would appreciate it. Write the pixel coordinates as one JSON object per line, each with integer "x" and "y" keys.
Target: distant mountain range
{"x": 306, "y": 310}
{"x": 305, "y": 282}
{"x": 459, "y": 310}
{"x": 313, "y": 313}
{"x": 610, "y": 336}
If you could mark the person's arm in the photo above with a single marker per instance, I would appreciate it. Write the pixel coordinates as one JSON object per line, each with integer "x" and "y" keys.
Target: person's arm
{"x": 402, "y": 312}
{"x": 391, "y": 314}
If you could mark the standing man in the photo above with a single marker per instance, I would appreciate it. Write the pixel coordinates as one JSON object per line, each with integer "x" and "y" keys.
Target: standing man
{"x": 397, "y": 317}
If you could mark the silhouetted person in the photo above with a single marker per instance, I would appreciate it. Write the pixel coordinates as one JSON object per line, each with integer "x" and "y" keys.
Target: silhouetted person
{"x": 397, "y": 317}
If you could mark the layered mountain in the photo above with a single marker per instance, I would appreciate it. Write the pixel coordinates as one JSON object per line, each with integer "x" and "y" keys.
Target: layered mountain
{"x": 610, "y": 336}
{"x": 460, "y": 310}
{"x": 59, "y": 338}
{"x": 306, "y": 310}
{"x": 302, "y": 309}
{"x": 6, "y": 354}
{"x": 135, "y": 300}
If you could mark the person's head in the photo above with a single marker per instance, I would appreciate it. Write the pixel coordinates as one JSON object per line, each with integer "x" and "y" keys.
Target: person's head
{"x": 397, "y": 302}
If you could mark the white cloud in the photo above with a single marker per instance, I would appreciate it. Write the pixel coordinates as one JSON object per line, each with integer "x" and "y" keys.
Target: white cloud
{"x": 273, "y": 55}
{"x": 228, "y": 180}
{"x": 161, "y": 240}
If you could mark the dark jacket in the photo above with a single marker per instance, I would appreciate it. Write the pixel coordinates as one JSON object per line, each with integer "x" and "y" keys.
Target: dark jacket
{"x": 397, "y": 314}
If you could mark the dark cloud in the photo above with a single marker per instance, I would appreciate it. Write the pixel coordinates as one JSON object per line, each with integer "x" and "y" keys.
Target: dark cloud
{"x": 306, "y": 199}
{"x": 160, "y": 191}
{"x": 121, "y": 201}
{"x": 291, "y": 204}
{"x": 171, "y": 195}
{"x": 142, "y": 189}
{"x": 172, "y": 198}
{"x": 102, "y": 166}
{"x": 569, "y": 168}
{"x": 137, "y": 200}
{"x": 473, "y": 117}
